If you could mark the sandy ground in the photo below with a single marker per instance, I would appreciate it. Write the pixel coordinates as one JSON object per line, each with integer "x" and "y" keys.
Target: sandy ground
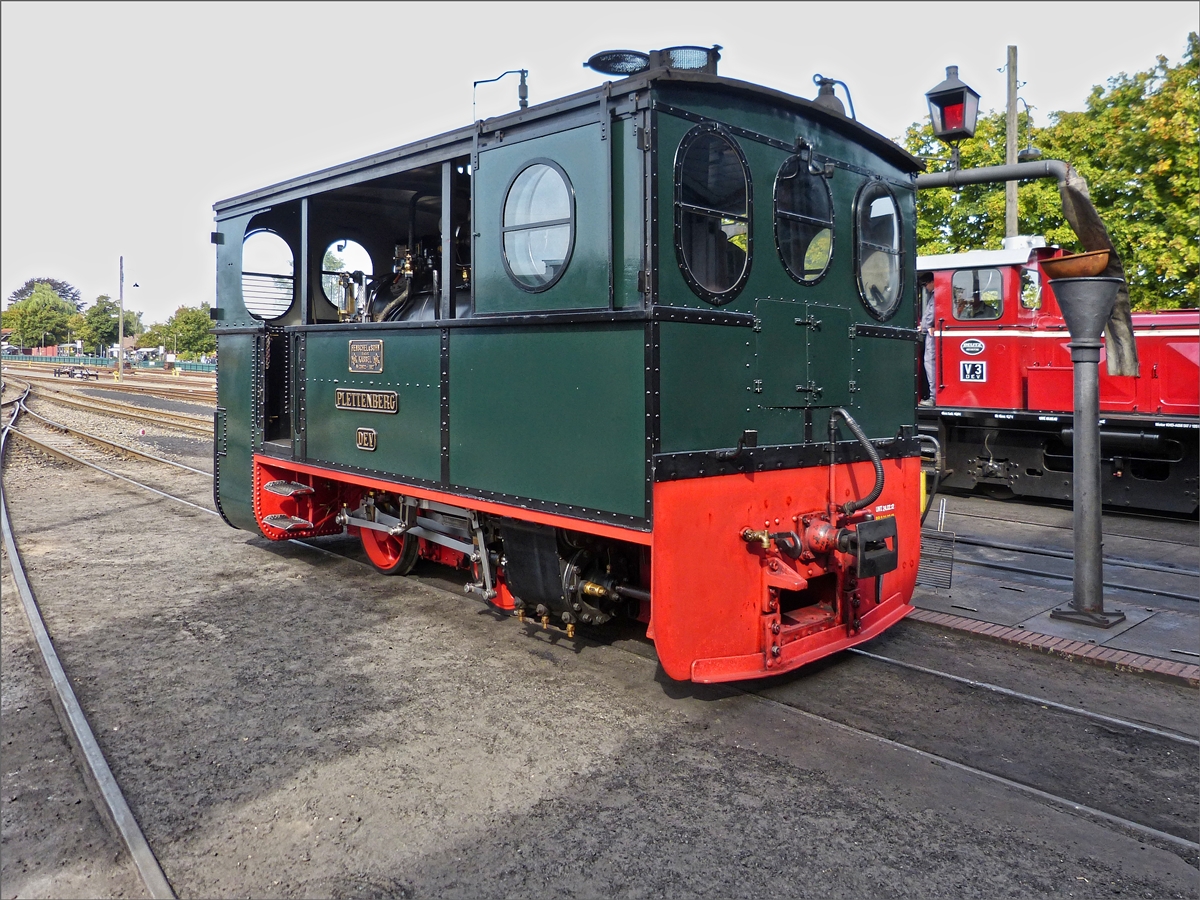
{"x": 287, "y": 723}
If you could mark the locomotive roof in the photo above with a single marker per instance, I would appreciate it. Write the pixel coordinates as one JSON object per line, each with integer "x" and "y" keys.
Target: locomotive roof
{"x": 436, "y": 148}
{"x": 974, "y": 258}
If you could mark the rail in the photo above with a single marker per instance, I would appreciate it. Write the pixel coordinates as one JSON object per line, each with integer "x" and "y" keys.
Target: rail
{"x": 115, "y": 808}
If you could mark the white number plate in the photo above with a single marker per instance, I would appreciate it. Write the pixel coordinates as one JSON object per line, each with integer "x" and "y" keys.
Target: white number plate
{"x": 972, "y": 371}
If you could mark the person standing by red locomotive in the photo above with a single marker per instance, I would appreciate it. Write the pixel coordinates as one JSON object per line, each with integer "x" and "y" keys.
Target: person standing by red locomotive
{"x": 926, "y": 329}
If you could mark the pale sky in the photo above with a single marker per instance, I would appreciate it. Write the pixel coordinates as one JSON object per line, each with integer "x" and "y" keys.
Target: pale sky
{"x": 122, "y": 123}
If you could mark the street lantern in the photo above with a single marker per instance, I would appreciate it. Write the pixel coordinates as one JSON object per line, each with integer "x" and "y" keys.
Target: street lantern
{"x": 953, "y": 110}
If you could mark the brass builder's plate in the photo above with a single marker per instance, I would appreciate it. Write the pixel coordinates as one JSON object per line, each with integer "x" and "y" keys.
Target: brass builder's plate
{"x": 366, "y": 357}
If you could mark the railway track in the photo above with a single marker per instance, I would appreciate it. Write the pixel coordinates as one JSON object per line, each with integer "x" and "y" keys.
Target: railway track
{"x": 192, "y": 424}
{"x": 180, "y": 389}
{"x": 1102, "y": 737}
{"x": 1150, "y": 557}
{"x": 114, "y": 807}
{"x": 1012, "y": 757}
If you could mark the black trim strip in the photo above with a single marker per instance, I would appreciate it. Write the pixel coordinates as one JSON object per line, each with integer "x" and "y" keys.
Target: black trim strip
{"x": 580, "y": 317}
{"x": 238, "y": 329}
{"x": 653, "y": 409}
{"x": 778, "y": 144}
{"x": 1165, "y": 425}
{"x": 445, "y": 390}
{"x": 657, "y": 313}
{"x": 706, "y": 464}
{"x": 885, "y": 331}
{"x": 300, "y": 424}
{"x": 702, "y": 316}
{"x": 732, "y": 129}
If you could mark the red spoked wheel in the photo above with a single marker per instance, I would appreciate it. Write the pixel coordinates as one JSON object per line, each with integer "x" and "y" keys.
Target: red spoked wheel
{"x": 390, "y": 555}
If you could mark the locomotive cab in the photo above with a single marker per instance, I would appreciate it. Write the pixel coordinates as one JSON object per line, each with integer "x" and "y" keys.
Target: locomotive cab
{"x": 644, "y": 351}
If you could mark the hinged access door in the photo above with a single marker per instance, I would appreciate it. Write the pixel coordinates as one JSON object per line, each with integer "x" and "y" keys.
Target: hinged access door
{"x": 804, "y": 357}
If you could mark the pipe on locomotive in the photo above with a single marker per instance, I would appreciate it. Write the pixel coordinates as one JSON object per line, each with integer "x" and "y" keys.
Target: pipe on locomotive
{"x": 852, "y": 506}
{"x": 1050, "y": 168}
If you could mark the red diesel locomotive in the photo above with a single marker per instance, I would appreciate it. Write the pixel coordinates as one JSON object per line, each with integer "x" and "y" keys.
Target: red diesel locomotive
{"x": 1001, "y": 401}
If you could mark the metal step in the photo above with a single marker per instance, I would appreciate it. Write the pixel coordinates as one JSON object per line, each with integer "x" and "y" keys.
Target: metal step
{"x": 287, "y": 523}
{"x": 937, "y": 559}
{"x": 287, "y": 488}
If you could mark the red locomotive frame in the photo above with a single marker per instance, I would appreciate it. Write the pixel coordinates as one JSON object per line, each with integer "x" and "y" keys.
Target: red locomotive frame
{"x": 1003, "y": 387}
{"x": 718, "y": 552}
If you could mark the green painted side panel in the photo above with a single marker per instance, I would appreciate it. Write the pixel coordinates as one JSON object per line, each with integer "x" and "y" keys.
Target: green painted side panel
{"x": 887, "y": 370}
{"x": 585, "y": 283}
{"x": 554, "y": 414}
{"x": 229, "y": 272}
{"x": 628, "y": 214}
{"x": 782, "y": 355}
{"x": 804, "y": 355}
{"x": 235, "y": 393}
{"x": 408, "y": 442}
{"x": 884, "y": 380}
{"x": 704, "y": 386}
{"x": 830, "y": 364}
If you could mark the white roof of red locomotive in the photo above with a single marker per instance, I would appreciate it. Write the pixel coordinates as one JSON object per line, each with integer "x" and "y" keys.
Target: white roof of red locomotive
{"x": 1017, "y": 250}
{"x": 973, "y": 259}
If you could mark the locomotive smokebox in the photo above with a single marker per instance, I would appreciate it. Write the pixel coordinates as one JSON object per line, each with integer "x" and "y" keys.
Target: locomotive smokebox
{"x": 1086, "y": 304}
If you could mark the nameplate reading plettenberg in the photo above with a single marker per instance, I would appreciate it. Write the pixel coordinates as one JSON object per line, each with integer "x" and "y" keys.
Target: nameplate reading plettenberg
{"x": 366, "y": 356}
{"x": 366, "y": 401}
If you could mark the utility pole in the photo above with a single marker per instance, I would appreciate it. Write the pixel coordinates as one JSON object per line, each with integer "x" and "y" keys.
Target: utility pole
{"x": 1010, "y": 146}
{"x": 121, "y": 318}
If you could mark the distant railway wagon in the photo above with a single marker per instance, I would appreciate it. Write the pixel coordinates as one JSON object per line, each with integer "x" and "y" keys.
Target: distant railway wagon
{"x": 645, "y": 351}
{"x": 1003, "y": 395}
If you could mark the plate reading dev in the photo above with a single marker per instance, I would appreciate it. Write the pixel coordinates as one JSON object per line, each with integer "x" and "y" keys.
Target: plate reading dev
{"x": 366, "y": 357}
{"x": 366, "y": 401}
{"x": 365, "y": 439}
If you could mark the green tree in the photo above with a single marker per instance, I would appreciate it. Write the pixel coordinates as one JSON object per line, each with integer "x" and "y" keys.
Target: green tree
{"x": 66, "y": 291}
{"x": 1135, "y": 144}
{"x": 99, "y": 329}
{"x": 186, "y": 333}
{"x": 40, "y": 318}
{"x": 154, "y": 336}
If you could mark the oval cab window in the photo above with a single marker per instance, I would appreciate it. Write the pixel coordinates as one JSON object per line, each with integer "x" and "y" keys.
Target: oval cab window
{"x": 712, "y": 214}
{"x": 877, "y": 244}
{"x": 267, "y": 277}
{"x": 539, "y": 226}
{"x": 803, "y": 221}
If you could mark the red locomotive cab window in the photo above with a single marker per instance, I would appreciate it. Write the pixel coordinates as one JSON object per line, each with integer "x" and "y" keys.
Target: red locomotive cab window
{"x": 1031, "y": 288}
{"x": 977, "y": 294}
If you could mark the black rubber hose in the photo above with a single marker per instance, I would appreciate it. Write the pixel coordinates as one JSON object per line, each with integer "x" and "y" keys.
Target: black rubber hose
{"x": 855, "y": 505}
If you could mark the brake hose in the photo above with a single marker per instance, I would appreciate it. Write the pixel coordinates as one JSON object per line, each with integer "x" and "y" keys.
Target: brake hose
{"x": 855, "y": 505}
